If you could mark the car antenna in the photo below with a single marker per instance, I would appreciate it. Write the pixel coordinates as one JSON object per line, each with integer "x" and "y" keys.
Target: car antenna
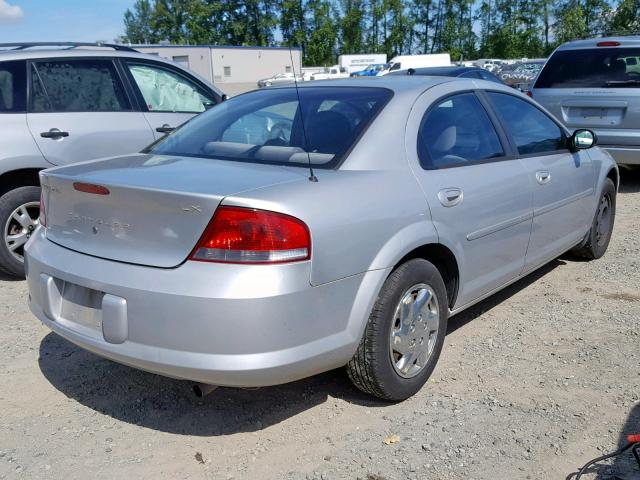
{"x": 312, "y": 177}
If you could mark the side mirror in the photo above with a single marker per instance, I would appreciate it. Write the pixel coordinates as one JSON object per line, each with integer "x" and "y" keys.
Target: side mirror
{"x": 582, "y": 139}
{"x": 225, "y": 97}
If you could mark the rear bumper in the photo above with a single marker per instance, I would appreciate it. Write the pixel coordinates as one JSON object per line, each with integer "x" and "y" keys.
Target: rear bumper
{"x": 213, "y": 323}
{"x": 624, "y": 155}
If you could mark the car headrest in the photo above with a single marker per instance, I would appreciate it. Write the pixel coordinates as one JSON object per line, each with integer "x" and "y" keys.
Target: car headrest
{"x": 446, "y": 140}
{"x": 328, "y": 132}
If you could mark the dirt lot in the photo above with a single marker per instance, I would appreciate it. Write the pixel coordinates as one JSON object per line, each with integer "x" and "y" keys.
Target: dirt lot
{"x": 532, "y": 383}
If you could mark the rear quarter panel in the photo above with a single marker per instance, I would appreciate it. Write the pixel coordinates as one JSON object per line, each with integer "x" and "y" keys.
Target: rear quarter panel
{"x": 19, "y": 149}
{"x": 359, "y": 220}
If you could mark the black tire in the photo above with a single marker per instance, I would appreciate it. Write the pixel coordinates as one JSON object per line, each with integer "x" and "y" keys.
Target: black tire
{"x": 371, "y": 368}
{"x": 9, "y": 202}
{"x": 597, "y": 240}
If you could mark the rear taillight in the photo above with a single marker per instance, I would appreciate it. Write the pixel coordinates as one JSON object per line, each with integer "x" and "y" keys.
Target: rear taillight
{"x": 530, "y": 93}
{"x": 246, "y": 235}
{"x": 42, "y": 219}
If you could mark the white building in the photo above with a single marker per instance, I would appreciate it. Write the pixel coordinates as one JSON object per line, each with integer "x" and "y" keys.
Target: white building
{"x": 232, "y": 69}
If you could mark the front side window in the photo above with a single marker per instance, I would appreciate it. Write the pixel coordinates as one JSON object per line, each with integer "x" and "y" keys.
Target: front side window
{"x": 77, "y": 86}
{"x": 532, "y": 130}
{"x": 592, "y": 68}
{"x": 164, "y": 90}
{"x": 13, "y": 87}
{"x": 457, "y": 132}
{"x": 269, "y": 126}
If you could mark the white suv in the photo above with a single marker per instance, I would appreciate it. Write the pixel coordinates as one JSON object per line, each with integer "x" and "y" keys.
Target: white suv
{"x": 62, "y": 103}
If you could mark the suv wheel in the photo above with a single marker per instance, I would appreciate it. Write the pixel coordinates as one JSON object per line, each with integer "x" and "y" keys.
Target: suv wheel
{"x": 19, "y": 212}
{"x": 405, "y": 333}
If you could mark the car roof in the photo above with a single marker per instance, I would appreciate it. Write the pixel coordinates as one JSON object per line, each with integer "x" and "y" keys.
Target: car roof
{"x": 75, "y": 52}
{"x": 92, "y": 52}
{"x": 630, "y": 41}
{"x": 405, "y": 85}
{"x": 452, "y": 71}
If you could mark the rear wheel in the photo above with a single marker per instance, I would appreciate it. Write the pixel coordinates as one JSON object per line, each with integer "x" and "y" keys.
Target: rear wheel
{"x": 19, "y": 212}
{"x": 602, "y": 227}
{"x": 405, "y": 333}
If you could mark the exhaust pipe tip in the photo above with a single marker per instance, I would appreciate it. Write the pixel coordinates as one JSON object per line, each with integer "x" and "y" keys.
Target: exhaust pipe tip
{"x": 201, "y": 390}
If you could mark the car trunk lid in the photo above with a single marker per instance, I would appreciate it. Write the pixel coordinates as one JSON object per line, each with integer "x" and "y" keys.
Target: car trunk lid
{"x": 145, "y": 209}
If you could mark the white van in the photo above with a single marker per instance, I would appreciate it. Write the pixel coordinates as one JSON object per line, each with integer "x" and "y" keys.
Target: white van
{"x": 405, "y": 62}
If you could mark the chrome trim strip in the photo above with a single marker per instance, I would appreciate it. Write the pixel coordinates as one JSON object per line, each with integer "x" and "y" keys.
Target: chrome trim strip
{"x": 483, "y": 232}
{"x": 561, "y": 203}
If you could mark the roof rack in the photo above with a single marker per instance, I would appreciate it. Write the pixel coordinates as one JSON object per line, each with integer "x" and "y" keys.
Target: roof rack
{"x": 69, "y": 45}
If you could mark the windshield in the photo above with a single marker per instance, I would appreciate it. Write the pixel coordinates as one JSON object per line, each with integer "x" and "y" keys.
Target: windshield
{"x": 266, "y": 126}
{"x": 592, "y": 68}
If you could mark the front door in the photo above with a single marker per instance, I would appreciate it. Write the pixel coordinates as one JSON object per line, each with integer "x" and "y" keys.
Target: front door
{"x": 79, "y": 110}
{"x": 479, "y": 196}
{"x": 562, "y": 180}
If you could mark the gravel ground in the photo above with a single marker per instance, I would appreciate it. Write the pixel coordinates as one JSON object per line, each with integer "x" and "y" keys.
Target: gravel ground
{"x": 532, "y": 383}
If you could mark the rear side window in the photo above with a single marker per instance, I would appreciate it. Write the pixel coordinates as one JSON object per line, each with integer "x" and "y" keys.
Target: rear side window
{"x": 532, "y": 130}
{"x": 592, "y": 68}
{"x": 457, "y": 132}
{"x": 13, "y": 87}
{"x": 270, "y": 126}
{"x": 77, "y": 86}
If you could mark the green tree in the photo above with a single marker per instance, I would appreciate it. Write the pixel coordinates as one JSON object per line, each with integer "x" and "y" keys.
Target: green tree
{"x": 137, "y": 23}
{"x": 321, "y": 44}
{"x": 351, "y": 26}
{"x": 626, "y": 17}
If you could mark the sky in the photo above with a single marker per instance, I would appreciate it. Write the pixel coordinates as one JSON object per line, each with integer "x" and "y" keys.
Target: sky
{"x": 61, "y": 20}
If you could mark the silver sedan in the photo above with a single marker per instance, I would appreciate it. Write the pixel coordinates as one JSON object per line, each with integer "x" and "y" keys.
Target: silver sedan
{"x": 284, "y": 233}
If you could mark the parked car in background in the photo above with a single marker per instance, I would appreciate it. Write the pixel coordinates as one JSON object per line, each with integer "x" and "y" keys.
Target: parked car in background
{"x": 213, "y": 257}
{"x": 405, "y": 62}
{"x": 330, "y": 73}
{"x": 279, "y": 79}
{"x": 523, "y": 74}
{"x": 596, "y": 84}
{"x": 63, "y": 103}
{"x": 371, "y": 70}
{"x": 462, "y": 72}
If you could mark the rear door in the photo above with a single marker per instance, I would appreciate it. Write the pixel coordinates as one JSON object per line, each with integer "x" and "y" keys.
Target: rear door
{"x": 478, "y": 193}
{"x": 596, "y": 88}
{"x": 79, "y": 110}
{"x": 562, "y": 181}
{"x": 169, "y": 96}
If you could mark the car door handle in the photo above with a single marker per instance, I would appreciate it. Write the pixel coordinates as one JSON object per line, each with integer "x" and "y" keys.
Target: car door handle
{"x": 450, "y": 197}
{"x": 54, "y": 133}
{"x": 166, "y": 128}
{"x": 543, "y": 176}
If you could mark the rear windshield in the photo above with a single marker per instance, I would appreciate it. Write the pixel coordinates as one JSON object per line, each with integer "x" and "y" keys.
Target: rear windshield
{"x": 592, "y": 68}
{"x": 268, "y": 126}
{"x": 13, "y": 85}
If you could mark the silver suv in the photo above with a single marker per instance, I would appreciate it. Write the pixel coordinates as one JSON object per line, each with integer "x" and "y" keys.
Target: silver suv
{"x": 65, "y": 102}
{"x": 595, "y": 84}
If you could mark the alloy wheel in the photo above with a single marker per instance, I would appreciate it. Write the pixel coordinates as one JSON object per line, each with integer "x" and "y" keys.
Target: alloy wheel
{"x": 414, "y": 330}
{"x": 18, "y": 229}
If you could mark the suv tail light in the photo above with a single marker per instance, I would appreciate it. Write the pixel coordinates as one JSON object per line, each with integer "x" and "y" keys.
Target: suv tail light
{"x": 529, "y": 93}
{"x": 42, "y": 219}
{"x": 246, "y": 235}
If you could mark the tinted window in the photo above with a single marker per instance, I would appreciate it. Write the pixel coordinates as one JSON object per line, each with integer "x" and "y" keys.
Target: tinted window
{"x": 592, "y": 68}
{"x": 77, "y": 86}
{"x": 268, "y": 126}
{"x": 532, "y": 130}
{"x": 13, "y": 86}
{"x": 167, "y": 91}
{"x": 455, "y": 132}
{"x": 489, "y": 76}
